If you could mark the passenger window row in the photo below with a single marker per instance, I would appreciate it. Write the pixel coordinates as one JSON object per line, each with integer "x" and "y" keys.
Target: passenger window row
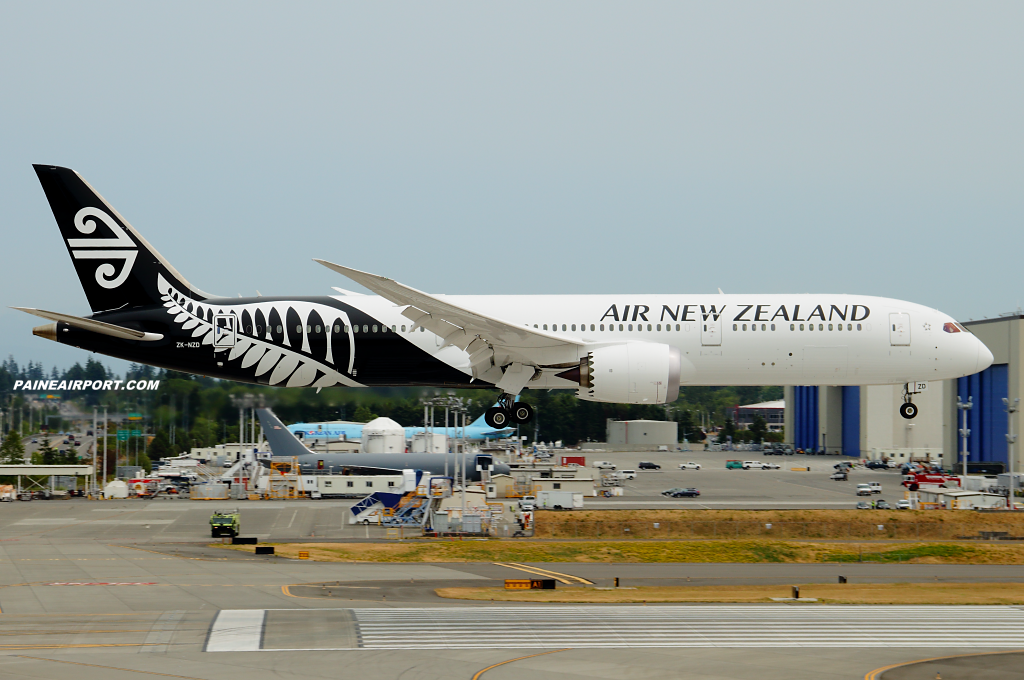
{"x": 793, "y": 327}
{"x": 611, "y": 327}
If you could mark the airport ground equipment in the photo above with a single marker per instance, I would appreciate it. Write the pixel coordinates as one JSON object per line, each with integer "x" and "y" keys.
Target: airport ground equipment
{"x": 226, "y": 523}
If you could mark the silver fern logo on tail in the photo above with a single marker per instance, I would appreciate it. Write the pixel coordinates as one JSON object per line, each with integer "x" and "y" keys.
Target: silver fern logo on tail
{"x": 101, "y": 248}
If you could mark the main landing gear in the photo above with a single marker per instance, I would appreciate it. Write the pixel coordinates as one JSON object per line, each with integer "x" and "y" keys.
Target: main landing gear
{"x": 508, "y": 412}
{"x": 908, "y": 409}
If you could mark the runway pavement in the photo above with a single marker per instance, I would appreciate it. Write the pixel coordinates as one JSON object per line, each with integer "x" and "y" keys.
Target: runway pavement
{"x": 118, "y": 590}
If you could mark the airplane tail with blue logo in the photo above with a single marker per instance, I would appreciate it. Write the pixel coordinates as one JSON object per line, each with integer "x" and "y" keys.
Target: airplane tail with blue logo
{"x": 118, "y": 269}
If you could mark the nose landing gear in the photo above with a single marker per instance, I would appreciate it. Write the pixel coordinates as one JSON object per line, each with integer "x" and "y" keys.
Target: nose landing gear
{"x": 508, "y": 411}
{"x": 907, "y": 409}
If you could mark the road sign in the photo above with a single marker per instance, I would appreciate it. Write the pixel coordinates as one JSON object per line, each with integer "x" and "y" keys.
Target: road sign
{"x": 134, "y": 416}
{"x": 122, "y": 435}
{"x": 136, "y": 433}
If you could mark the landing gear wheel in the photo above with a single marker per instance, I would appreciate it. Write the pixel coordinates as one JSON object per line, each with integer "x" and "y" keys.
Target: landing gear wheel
{"x": 497, "y": 418}
{"x": 908, "y": 410}
{"x": 522, "y": 413}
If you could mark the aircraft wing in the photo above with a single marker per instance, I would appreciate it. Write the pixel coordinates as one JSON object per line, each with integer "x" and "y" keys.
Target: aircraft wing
{"x": 491, "y": 342}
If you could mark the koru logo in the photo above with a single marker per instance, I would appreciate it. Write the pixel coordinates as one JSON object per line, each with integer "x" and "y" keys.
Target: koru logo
{"x": 99, "y": 248}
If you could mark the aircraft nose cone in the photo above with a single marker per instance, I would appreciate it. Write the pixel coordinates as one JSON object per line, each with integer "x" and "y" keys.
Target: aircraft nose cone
{"x": 985, "y": 357}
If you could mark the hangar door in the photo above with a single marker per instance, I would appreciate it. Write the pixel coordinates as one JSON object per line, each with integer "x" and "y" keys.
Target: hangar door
{"x": 899, "y": 329}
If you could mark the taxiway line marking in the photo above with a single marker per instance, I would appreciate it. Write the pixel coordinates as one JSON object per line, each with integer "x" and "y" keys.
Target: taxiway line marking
{"x": 520, "y": 658}
{"x": 113, "y": 668}
{"x": 873, "y": 675}
{"x": 535, "y": 572}
{"x": 556, "y": 574}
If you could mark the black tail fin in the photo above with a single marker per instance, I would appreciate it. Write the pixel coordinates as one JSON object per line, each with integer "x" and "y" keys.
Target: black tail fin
{"x": 118, "y": 268}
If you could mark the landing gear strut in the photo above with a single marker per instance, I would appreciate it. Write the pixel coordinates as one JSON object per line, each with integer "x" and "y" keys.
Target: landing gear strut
{"x": 508, "y": 411}
{"x": 907, "y": 409}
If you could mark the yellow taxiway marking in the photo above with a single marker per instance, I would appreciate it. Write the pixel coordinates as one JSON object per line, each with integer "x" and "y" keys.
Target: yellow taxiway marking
{"x": 518, "y": 658}
{"x": 557, "y": 575}
{"x": 113, "y": 668}
{"x": 873, "y": 675}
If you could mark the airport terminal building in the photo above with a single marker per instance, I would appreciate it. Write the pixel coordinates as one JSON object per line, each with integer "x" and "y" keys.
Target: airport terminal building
{"x": 864, "y": 422}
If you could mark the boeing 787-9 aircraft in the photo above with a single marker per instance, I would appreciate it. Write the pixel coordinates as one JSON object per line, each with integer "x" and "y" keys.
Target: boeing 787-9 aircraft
{"x": 623, "y": 348}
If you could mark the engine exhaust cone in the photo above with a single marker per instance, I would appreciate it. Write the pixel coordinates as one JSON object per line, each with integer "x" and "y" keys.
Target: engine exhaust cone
{"x": 573, "y": 374}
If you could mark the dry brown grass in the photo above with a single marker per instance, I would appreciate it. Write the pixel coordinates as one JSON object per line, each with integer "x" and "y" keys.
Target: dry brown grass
{"x": 876, "y": 593}
{"x": 741, "y": 551}
{"x": 785, "y": 524}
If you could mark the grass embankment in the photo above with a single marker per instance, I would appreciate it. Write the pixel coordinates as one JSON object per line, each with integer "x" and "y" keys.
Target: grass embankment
{"x": 879, "y": 593}
{"x": 750, "y": 551}
{"x": 773, "y": 524}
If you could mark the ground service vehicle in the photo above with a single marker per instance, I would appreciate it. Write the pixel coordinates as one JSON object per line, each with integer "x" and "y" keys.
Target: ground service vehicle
{"x": 876, "y": 487}
{"x": 225, "y": 524}
{"x": 863, "y": 489}
{"x": 681, "y": 493}
{"x": 734, "y": 465}
{"x": 903, "y": 504}
{"x": 627, "y": 474}
{"x": 647, "y": 465}
{"x": 839, "y": 477}
{"x": 559, "y": 500}
{"x": 689, "y": 466}
{"x": 603, "y": 465}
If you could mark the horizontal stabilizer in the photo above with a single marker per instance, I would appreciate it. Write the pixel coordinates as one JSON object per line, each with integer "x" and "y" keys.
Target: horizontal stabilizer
{"x": 93, "y": 325}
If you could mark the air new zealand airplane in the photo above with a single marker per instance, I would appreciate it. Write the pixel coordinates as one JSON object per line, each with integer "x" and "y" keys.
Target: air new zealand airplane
{"x": 611, "y": 348}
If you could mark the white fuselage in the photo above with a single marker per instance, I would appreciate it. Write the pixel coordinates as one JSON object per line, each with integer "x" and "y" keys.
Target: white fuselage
{"x": 737, "y": 339}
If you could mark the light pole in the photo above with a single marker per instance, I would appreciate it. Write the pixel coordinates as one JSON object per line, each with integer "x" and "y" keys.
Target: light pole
{"x": 964, "y": 432}
{"x": 1010, "y": 408}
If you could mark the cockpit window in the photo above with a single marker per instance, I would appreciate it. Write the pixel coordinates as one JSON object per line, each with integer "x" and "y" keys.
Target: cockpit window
{"x": 951, "y": 327}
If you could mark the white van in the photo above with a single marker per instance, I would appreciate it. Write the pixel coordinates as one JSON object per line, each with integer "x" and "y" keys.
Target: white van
{"x": 627, "y": 474}
{"x": 752, "y": 465}
{"x": 603, "y": 465}
{"x": 876, "y": 487}
{"x": 863, "y": 489}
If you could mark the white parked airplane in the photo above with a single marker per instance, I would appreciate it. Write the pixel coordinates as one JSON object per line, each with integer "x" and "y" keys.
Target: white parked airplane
{"x": 633, "y": 348}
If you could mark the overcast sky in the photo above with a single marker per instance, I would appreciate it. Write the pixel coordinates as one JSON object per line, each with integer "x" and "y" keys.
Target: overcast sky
{"x": 545, "y": 147}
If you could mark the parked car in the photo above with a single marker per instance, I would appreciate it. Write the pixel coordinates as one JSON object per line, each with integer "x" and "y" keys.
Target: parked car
{"x": 863, "y": 505}
{"x": 876, "y": 465}
{"x": 882, "y": 505}
{"x": 770, "y": 466}
{"x": 903, "y": 504}
{"x": 681, "y": 493}
{"x": 689, "y": 466}
{"x": 647, "y": 465}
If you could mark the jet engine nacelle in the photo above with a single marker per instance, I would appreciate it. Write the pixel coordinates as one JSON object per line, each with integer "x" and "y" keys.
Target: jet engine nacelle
{"x": 630, "y": 373}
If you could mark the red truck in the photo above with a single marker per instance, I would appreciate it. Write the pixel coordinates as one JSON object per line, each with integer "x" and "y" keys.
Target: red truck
{"x": 581, "y": 461}
{"x": 934, "y": 479}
